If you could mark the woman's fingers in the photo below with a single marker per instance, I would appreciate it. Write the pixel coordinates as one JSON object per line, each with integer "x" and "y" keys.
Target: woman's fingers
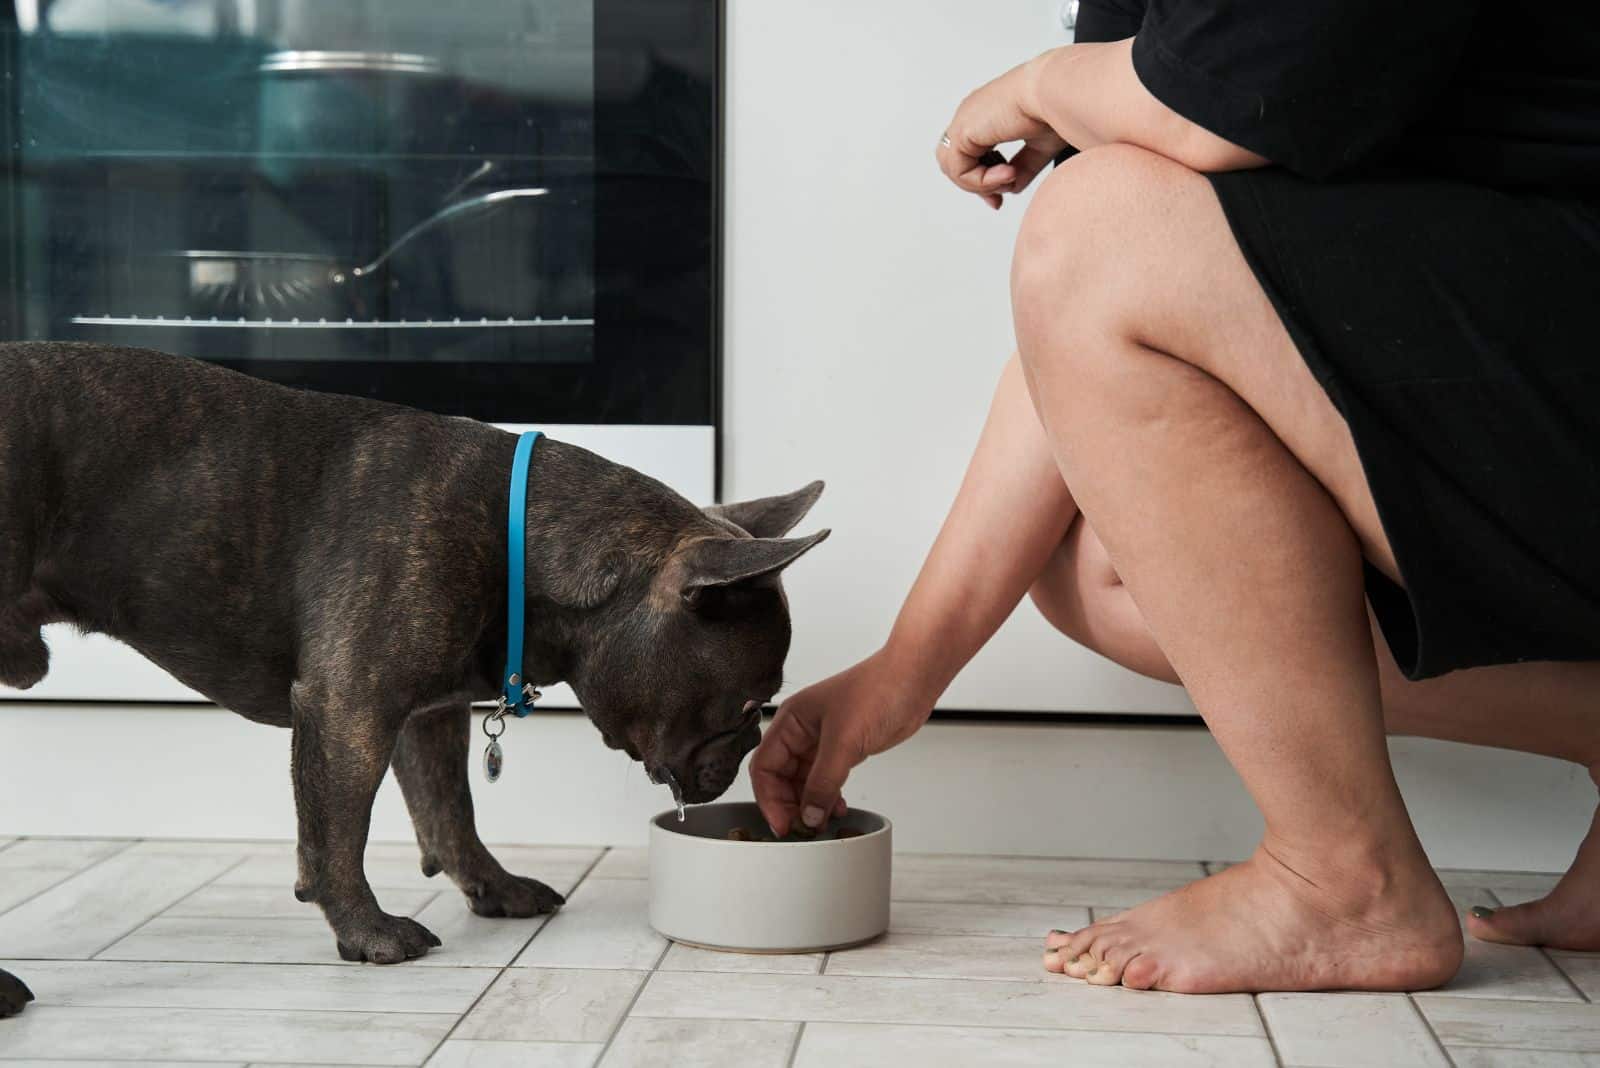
{"x": 777, "y": 769}
{"x": 999, "y": 177}
{"x": 994, "y": 175}
{"x": 1029, "y": 161}
{"x": 968, "y": 168}
{"x": 837, "y": 752}
{"x": 993, "y": 115}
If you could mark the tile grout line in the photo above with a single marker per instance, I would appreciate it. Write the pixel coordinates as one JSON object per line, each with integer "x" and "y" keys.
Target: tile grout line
{"x": 71, "y": 875}
{"x": 1556, "y": 964}
{"x": 1427, "y": 1023}
{"x": 162, "y": 910}
{"x": 428, "y": 903}
{"x": 1042, "y": 1029}
{"x": 500, "y": 974}
{"x": 794, "y": 1049}
{"x": 1266, "y": 1029}
{"x": 576, "y": 886}
{"x": 628, "y": 1012}
{"x": 196, "y": 890}
{"x": 800, "y": 1032}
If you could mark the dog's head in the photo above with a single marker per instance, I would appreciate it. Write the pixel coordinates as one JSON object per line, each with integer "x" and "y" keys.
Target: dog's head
{"x": 677, "y": 674}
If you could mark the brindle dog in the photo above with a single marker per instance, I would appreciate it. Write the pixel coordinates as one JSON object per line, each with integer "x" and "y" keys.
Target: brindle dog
{"x": 338, "y": 566}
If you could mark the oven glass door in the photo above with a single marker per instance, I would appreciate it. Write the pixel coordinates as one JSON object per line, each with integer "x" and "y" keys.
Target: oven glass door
{"x": 504, "y": 209}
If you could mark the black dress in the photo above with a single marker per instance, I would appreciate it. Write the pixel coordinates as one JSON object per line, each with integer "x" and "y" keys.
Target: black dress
{"x": 1430, "y": 237}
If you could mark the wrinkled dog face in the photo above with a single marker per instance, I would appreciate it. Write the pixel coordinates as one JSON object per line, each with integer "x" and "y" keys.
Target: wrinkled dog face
{"x": 680, "y": 684}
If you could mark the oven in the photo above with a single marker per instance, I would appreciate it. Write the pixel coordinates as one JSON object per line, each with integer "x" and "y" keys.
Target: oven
{"x": 503, "y": 209}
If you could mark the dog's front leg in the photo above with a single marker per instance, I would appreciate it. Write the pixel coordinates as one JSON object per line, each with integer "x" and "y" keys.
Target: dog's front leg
{"x": 431, "y": 763}
{"x": 341, "y": 750}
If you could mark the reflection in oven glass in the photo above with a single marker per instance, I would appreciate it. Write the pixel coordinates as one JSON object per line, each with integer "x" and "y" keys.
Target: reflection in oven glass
{"x": 308, "y": 181}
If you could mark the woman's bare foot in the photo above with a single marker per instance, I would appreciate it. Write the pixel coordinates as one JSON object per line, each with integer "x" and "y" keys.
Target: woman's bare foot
{"x": 1566, "y": 918}
{"x": 1262, "y": 926}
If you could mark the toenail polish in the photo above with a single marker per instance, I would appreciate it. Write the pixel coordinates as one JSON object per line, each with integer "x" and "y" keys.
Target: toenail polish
{"x": 1057, "y": 930}
{"x": 1482, "y": 912}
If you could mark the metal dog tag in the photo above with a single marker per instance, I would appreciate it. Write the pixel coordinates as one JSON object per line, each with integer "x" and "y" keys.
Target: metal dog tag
{"x": 494, "y": 758}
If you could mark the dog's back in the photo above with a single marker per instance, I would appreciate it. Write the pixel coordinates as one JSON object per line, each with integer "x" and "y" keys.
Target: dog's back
{"x": 154, "y": 498}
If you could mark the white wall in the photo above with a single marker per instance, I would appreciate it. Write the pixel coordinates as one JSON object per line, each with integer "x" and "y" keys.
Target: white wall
{"x": 1042, "y": 790}
{"x": 868, "y": 316}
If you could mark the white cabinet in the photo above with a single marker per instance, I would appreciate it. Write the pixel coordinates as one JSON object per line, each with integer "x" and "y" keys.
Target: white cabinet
{"x": 868, "y": 316}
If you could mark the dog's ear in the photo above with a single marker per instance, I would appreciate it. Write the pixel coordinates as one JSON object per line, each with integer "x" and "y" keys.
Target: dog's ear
{"x": 718, "y": 563}
{"x": 769, "y": 517}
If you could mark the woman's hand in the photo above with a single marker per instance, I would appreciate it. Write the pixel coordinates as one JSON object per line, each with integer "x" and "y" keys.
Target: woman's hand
{"x": 995, "y": 114}
{"x": 824, "y": 731}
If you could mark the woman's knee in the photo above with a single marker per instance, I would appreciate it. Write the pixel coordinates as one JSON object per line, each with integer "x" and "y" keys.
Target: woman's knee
{"x": 1081, "y": 595}
{"x": 1091, "y": 223}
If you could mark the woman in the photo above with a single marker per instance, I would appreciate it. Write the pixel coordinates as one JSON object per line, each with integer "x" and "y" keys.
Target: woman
{"x": 1306, "y": 417}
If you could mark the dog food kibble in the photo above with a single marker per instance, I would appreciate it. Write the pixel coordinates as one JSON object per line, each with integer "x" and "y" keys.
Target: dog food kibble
{"x": 796, "y": 834}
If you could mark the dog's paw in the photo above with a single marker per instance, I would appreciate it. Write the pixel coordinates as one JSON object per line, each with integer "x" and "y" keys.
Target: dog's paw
{"x": 385, "y": 939}
{"x": 14, "y": 994}
{"x": 513, "y": 895}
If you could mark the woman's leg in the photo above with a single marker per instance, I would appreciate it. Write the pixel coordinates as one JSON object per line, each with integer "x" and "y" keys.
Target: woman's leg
{"x": 1545, "y": 708}
{"x": 1228, "y": 495}
{"x": 1548, "y": 709}
{"x": 1081, "y": 595}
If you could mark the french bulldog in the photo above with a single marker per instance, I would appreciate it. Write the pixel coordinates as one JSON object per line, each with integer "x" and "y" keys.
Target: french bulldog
{"x": 337, "y": 566}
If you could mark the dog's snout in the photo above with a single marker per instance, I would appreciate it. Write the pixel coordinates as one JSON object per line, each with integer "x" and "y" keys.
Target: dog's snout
{"x": 715, "y": 764}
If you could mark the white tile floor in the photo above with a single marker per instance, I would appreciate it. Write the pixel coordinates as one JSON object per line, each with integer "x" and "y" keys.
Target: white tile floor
{"x": 183, "y": 952}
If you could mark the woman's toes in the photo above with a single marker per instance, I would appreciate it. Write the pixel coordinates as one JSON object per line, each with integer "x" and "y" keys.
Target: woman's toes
{"x": 1107, "y": 974}
{"x": 1140, "y": 973}
{"x": 1080, "y": 966}
{"x": 1055, "y": 960}
{"x": 1057, "y": 938}
{"x": 1518, "y": 925}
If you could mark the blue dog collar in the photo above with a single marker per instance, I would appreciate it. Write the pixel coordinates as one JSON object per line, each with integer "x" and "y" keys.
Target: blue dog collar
{"x": 517, "y": 696}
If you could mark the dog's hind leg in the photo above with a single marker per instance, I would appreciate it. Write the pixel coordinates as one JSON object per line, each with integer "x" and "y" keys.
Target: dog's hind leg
{"x": 430, "y": 761}
{"x": 340, "y": 751}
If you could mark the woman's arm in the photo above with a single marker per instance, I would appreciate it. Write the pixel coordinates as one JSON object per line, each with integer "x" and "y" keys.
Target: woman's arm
{"x": 1091, "y": 95}
{"x": 1083, "y": 95}
{"x": 1011, "y": 513}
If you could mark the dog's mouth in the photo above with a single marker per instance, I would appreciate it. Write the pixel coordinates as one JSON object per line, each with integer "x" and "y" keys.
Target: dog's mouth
{"x": 708, "y": 769}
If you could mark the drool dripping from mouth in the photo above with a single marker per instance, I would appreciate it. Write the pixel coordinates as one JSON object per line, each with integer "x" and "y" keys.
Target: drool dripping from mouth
{"x": 663, "y": 777}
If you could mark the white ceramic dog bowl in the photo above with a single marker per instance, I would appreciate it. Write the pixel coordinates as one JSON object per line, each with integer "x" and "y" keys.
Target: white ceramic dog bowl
{"x": 767, "y": 897}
